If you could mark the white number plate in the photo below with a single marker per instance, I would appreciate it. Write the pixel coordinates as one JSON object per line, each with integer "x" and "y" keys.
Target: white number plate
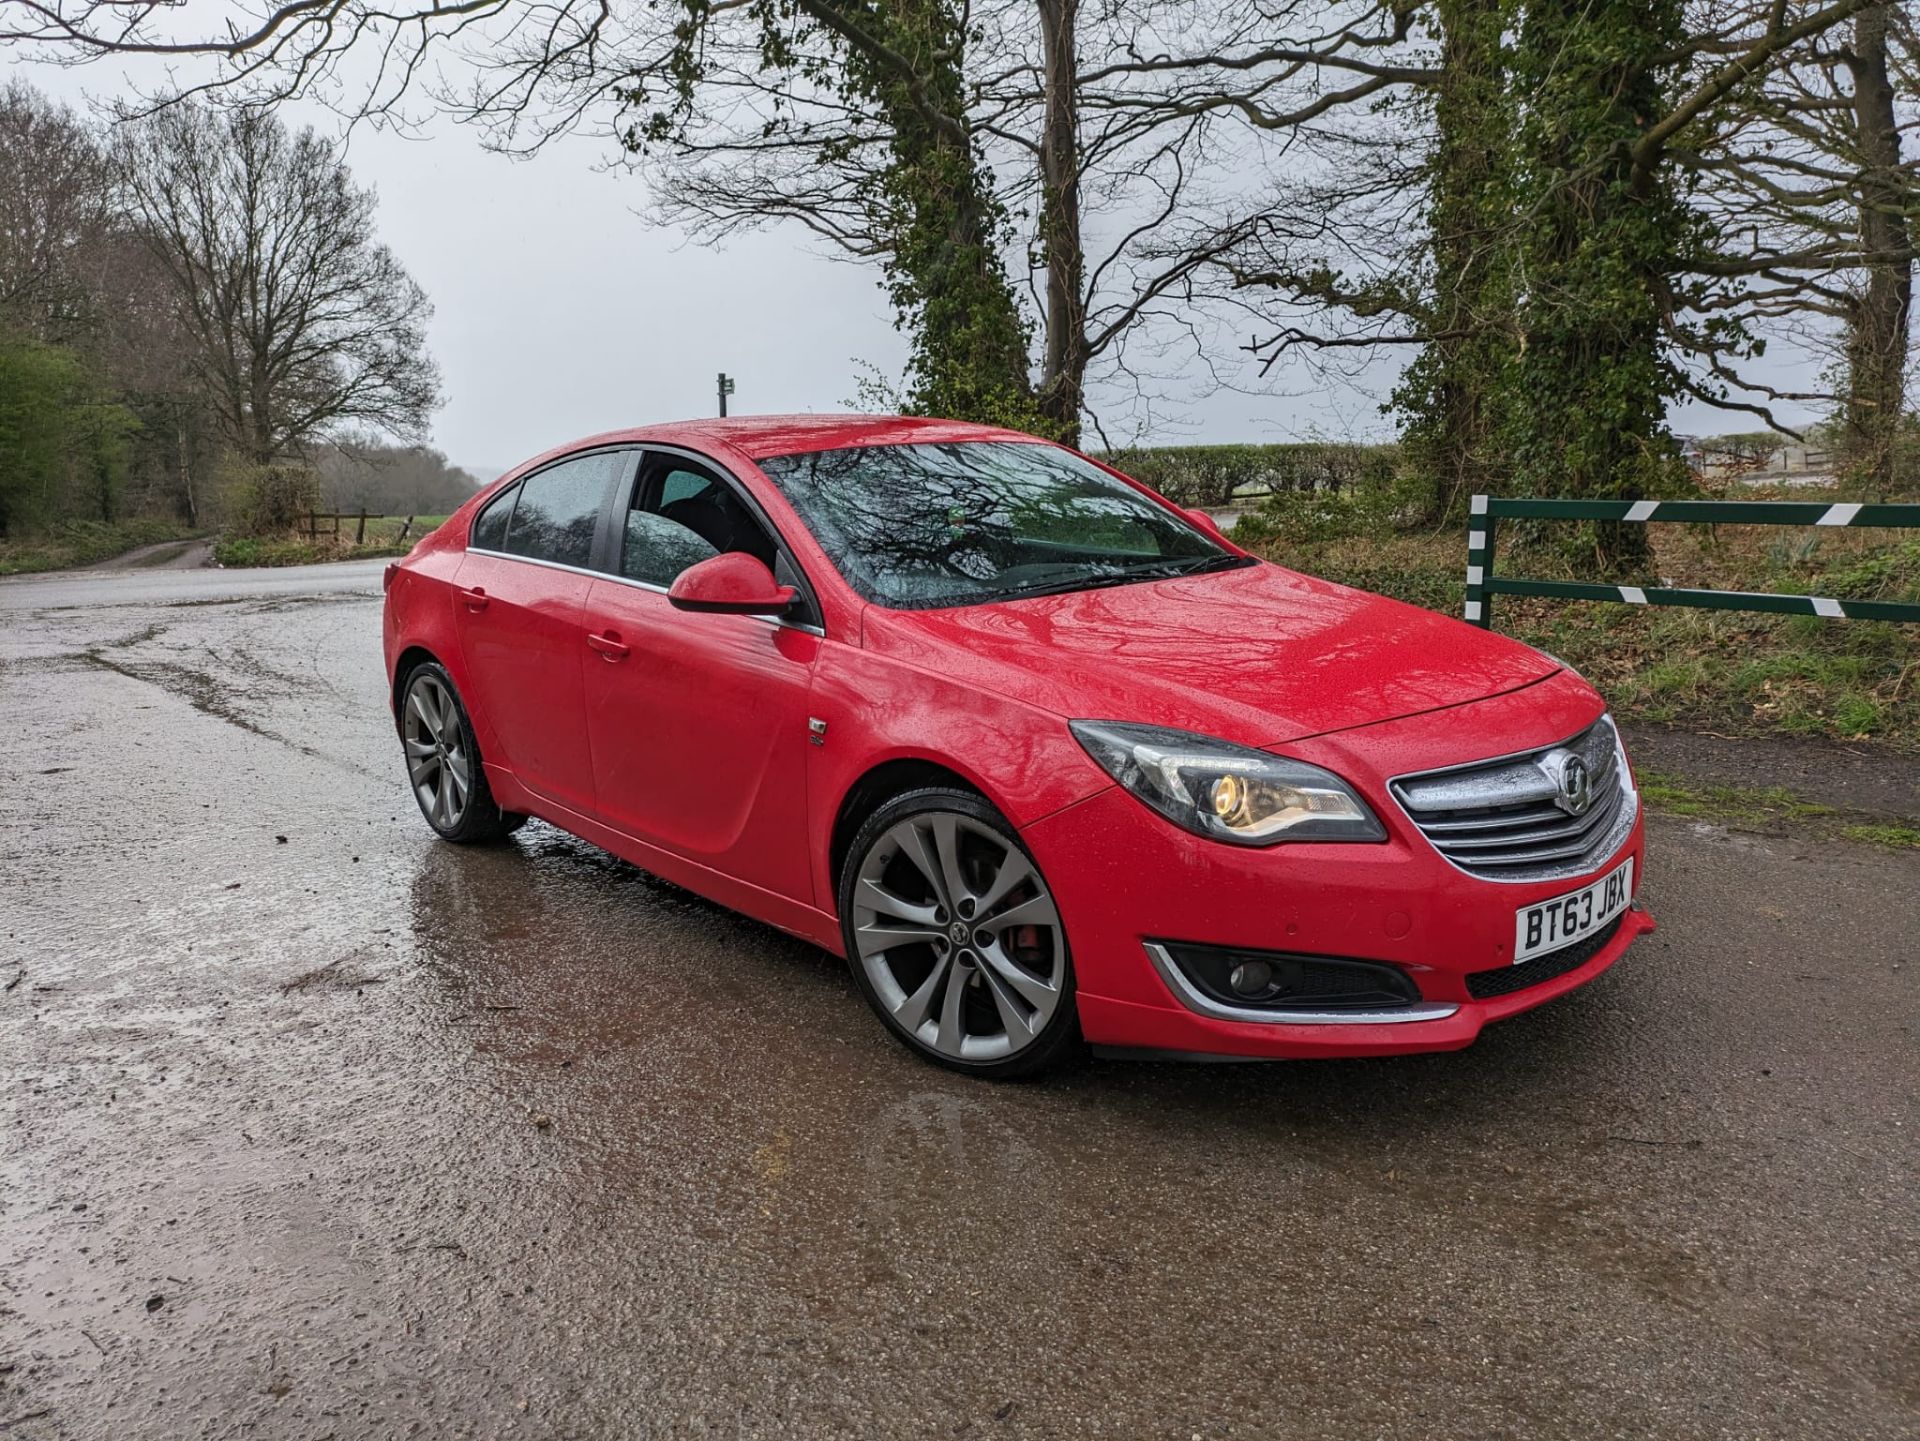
{"x": 1565, "y": 919}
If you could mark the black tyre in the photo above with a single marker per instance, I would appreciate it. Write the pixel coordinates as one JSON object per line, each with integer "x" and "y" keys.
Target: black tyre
{"x": 443, "y": 761}
{"x": 954, "y": 936}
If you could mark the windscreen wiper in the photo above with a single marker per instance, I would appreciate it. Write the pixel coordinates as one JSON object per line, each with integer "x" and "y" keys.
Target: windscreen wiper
{"x": 1212, "y": 563}
{"x": 1155, "y": 570}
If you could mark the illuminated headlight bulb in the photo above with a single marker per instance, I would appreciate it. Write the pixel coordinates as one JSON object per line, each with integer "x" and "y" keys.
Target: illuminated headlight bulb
{"x": 1230, "y": 794}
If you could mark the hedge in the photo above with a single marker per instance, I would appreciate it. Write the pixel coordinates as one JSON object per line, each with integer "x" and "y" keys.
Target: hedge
{"x": 1218, "y": 474}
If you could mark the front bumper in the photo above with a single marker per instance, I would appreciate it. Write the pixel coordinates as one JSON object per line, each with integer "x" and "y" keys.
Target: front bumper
{"x": 1124, "y": 877}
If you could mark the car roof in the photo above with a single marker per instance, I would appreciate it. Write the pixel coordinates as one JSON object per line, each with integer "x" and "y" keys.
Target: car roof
{"x": 759, "y": 436}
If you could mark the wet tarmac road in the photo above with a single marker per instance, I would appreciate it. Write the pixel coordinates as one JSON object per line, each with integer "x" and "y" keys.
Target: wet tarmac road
{"x": 361, "y": 1135}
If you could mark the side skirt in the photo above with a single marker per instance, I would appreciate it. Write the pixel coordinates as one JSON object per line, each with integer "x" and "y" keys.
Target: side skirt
{"x": 781, "y": 912}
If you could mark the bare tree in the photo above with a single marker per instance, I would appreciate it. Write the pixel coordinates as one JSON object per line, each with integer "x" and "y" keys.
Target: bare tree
{"x": 1809, "y": 181}
{"x": 1168, "y": 166}
{"x": 74, "y": 273}
{"x": 300, "y": 320}
{"x": 363, "y": 473}
{"x": 1104, "y": 124}
{"x": 56, "y": 214}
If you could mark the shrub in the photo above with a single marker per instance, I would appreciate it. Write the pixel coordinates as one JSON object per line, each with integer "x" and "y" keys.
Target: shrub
{"x": 1315, "y": 516}
{"x": 1889, "y": 574}
{"x": 267, "y": 499}
{"x": 1215, "y": 475}
{"x": 1377, "y": 501}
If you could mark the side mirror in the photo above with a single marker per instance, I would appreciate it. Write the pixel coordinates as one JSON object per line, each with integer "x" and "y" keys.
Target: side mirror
{"x": 1206, "y": 523}
{"x": 731, "y": 584}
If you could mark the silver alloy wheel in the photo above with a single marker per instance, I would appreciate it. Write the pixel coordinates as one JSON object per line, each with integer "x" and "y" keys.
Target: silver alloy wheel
{"x": 959, "y": 936}
{"x": 437, "y": 761}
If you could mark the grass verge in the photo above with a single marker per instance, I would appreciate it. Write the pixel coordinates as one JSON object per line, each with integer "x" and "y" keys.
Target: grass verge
{"x": 1899, "y": 838}
{"x": 383, "y": 539}
{"x": 1680, "y": 797}
{"x": 76, "y": 543}
{"x": 1769, "y": 809}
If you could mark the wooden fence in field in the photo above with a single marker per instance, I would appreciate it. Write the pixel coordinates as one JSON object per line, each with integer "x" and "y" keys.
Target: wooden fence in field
{"x": 330, "y": 522}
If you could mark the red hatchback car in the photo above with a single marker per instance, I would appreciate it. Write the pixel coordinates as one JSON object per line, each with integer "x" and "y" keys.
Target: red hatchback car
{"x": 1046, "y": 758}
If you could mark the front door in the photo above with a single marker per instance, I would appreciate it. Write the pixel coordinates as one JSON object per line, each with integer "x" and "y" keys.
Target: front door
{"x": 522, "y": 591}
{"x": 698, "y": 723}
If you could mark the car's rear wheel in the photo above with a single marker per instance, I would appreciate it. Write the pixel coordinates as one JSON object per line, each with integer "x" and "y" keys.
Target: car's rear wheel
{"x": 956, "y": 939}
{"x": 443, "y": 761}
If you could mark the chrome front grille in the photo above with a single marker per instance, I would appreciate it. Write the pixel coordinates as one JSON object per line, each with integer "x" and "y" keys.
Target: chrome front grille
{"x": 1512, "y": 819}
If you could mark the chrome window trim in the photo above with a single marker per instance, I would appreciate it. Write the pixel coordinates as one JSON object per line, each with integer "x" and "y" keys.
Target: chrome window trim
{"x": 773, "y": 620}
{"x": 516, "y": 487}
{"x": 1623, "y": 774}
{"x": 1199, "y": 1002}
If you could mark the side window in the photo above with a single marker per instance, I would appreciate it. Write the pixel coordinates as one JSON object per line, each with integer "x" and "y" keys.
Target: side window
{"x": 657, "y": 549}
{"x": 679, "y": 485}
{"x": 559, "y": 507}
{"x": 681, "y": 515}
{"x": 490, "y": 526}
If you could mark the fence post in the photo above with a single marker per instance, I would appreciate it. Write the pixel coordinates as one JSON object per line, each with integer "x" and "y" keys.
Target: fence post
{"x": 403, "y": 531}
{"x": 1483, "y": 584}
{"x": 1479, "y": 608}
{"x": 360, "y": 531}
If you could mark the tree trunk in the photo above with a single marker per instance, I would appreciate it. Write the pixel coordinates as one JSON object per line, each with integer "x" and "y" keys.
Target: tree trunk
{"x": 1878, "y": 325}
{"x": 186, "y": 467}
{"x": 262, "y": 450}
{"x": 1063, "y": 381}
{"x": 1450, "y": 392}
{"x": 1588, "y": 390}
{"x": 945, "y": 273}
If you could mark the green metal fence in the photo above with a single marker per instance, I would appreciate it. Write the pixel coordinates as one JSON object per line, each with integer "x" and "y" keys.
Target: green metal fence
{"x": 1486, "y": 512}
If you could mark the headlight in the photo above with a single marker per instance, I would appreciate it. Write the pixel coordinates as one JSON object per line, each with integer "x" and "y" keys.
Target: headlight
{"x": 1228, "y": 792}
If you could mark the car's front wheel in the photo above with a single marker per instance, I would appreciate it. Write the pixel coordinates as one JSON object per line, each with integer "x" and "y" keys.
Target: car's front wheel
{"x": 443, "y": 761}
{"x": 955, "y": 938}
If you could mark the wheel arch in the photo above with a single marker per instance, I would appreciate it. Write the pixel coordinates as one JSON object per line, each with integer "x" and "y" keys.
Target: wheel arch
{"x": 877, "y": 785}
{"x": 404, "y": 665}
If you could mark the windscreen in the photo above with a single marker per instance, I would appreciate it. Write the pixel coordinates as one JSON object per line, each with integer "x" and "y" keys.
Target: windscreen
{"x": 918, "y": 526}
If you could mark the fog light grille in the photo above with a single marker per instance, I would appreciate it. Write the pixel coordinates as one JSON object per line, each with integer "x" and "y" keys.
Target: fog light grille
{"x": 1281, "y": 981}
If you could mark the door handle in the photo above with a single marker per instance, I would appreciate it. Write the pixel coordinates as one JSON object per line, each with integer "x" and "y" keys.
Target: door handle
{"x": 609, "y": 645}
{"x": 476, "y": 598}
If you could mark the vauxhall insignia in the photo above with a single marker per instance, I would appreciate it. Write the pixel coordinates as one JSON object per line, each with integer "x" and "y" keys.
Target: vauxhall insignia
{"x": 1576, "y": 787}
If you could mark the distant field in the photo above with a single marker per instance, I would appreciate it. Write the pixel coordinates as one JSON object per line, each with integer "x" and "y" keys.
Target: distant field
{"x": 381, "y": 529}
{"x": 388, "y": 526}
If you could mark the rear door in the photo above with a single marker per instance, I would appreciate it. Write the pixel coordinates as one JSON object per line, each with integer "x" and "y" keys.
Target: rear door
{"x": 699, "y": 722}
{"x": 522, "y": 586}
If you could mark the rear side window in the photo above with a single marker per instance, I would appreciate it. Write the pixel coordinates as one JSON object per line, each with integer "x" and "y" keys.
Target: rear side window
{"x": 559, "y": 507}
{"x": 490, "y": 527}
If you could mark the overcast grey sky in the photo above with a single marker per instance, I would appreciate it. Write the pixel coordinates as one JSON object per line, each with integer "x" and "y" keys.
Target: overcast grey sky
{"x": 560, "y": 312}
